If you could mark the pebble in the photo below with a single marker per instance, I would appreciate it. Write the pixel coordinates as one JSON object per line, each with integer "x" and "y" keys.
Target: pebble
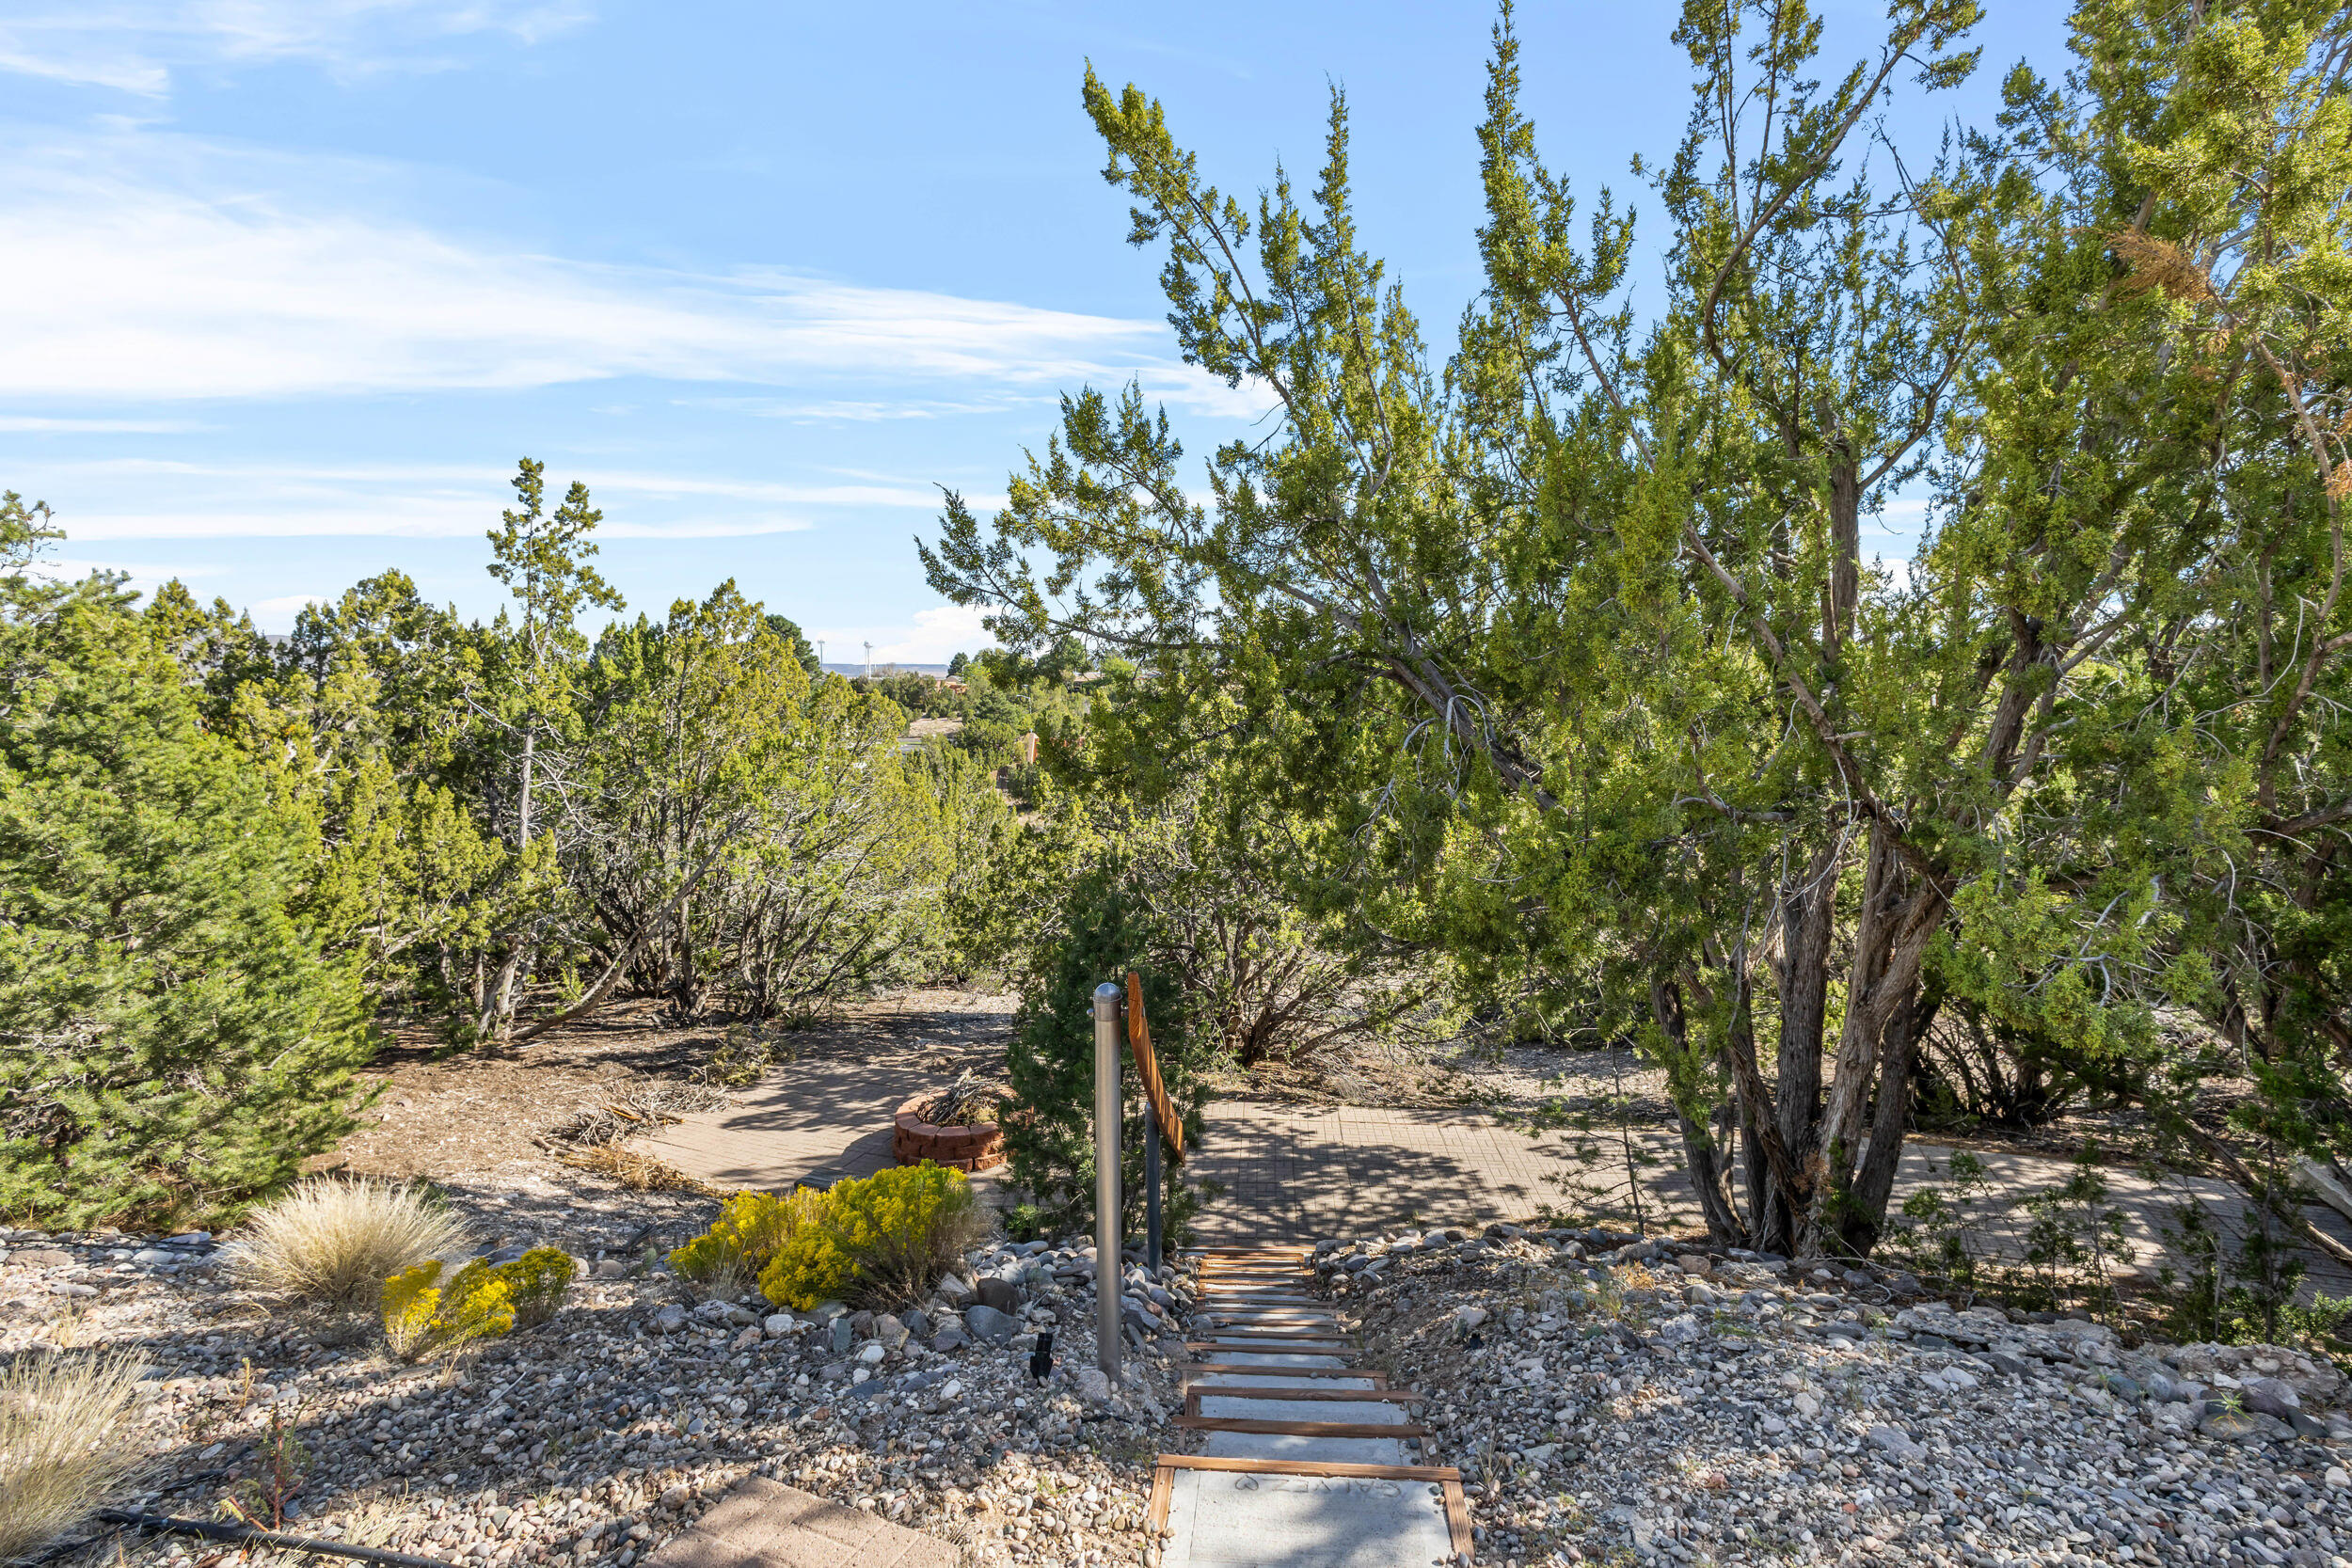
{"x": 1601, "y": 1413}
{"x": 594, "y": 1439}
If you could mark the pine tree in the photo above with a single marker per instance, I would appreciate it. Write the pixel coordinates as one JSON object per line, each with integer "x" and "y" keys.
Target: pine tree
{"x": 1049, "y": 1133}
{"x": 176, "y": 1042}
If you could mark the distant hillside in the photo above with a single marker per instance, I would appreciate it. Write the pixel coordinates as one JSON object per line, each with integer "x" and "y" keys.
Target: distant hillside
{"x": 882, "y": 669}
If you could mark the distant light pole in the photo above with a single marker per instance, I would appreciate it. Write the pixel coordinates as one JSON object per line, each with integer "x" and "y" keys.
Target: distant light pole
{"x": 869, "y": 661}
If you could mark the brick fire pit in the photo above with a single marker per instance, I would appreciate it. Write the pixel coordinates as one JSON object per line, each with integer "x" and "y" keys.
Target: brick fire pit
{"x": 977, "y": 1147}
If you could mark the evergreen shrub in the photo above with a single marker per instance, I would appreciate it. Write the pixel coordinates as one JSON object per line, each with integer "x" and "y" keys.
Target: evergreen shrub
{"x": 1102, "y": 931}
{"x": 173, "y": 1042}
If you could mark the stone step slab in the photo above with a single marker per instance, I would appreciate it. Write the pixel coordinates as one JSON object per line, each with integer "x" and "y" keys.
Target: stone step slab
{"x": 1236, "y": 1513}
{"x": 1303, "y": 1448}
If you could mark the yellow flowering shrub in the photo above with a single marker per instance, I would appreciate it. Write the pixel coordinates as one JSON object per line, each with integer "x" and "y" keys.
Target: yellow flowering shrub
{"x": 888, "y": 1236}
{"x": 751, "y": 1230}
{"x": 811, "y": 1266}
{"x": 410, "y": 1299}
{"x": 424, "y": 1317}
{"x": 536, "y": 1283}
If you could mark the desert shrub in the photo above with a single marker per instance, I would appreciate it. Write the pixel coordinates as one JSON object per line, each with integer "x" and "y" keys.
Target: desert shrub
{"x": 536, "y": 1283}
{"x": 750, "y": 1231}
{"x": 63, "y": 1445}
{"x": 905, "y": 1227}
{"x": 810, "y": 1267}
{"x": 886, "y": 1239}
{"x": 1102, "y": 931}
{"x": 338, "y": 1242}
{"x": 425, "y": 1317}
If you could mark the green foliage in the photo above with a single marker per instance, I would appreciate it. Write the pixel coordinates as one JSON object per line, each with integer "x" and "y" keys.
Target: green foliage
{"x": 1100, "y": 933}
{"x": 1571, "y": 658}
{"x": 179, "y": 1041}
{"x": 1942, "y": 1233}
{"x": 424, "y": 1317}
{"x": 886, "y": 1239}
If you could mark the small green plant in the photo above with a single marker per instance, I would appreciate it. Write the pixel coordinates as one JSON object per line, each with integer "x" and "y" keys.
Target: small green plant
{"x": 1024, "y": 1222}
{"x": 536, "y": 1283}
{"x": 2074, "y": 1239}
{"x": 261, "y": 1499}
{"x": 1942, "y": 1233}
{"x": 425, "y": 1317}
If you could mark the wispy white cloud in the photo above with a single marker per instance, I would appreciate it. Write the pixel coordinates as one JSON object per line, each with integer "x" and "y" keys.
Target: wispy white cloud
{"x": 861, "y": 411}
{"x": 37, "y": 424}
{"x": 136, "y": 45}
{"x": 170, "y": 498}
{"x": 146, "y": 267}
{"x": 936, "y": 636}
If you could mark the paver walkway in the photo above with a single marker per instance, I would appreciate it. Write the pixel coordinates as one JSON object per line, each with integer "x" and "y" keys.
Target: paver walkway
{"x": 832, "y": 1115}
{"x": 1305, "y": 1460}
{"x": 1297, "y": 1173}
{"x": 766, "y": 1524}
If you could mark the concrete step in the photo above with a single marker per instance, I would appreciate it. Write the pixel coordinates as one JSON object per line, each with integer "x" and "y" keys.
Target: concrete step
{"x": 1290, "y": 1426}
{"x": 1296, "y": 1447}
{"x": 1251, "y": 1407}
{"x": 1230, "y": 1359}
{"x": 1225, "y": 1375}
{"x": 1234, "y": 1512}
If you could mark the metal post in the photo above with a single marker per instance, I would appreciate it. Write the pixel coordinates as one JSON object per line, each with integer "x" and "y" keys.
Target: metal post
{"x": 1109, "y": 1273}
{"x": 1152, "y": 1186}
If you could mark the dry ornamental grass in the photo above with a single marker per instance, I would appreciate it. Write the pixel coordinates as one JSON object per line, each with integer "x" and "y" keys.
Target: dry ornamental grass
{"x": 63, "y": 1445}
{"x": 338, "y": 1242}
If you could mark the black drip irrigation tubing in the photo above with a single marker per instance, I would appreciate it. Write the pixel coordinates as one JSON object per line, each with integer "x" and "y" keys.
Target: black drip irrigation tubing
{"x": 245, "y": 1535}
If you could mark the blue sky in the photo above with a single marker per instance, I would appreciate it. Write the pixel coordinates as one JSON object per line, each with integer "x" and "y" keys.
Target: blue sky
{"x": 290, "y": 284}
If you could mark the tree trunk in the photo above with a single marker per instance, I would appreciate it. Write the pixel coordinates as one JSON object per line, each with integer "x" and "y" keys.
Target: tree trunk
{"x": 1702, "y": 1156}
{"x": 1808, "y": 911}
{"x": 1890, "y": 939}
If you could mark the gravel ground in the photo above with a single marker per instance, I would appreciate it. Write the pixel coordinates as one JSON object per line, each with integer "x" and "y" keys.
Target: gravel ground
{"x": 1654, "y": 1401}
{"x": 598, "y": 1435}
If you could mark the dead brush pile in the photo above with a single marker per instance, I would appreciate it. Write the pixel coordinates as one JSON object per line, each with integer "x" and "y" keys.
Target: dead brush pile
{"x": 632, "y": 1106}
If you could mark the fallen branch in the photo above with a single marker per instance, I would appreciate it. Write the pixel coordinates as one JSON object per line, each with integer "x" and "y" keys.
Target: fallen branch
{"x": 2245, "y": 1180}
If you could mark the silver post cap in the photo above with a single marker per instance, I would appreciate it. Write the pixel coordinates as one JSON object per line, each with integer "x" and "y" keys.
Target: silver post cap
{"x": 1107, "y": 998}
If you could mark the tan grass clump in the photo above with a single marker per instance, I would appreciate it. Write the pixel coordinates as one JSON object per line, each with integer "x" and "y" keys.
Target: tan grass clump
{"x": 64, "y": 1444}
{"x": 338, "y": 1242}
